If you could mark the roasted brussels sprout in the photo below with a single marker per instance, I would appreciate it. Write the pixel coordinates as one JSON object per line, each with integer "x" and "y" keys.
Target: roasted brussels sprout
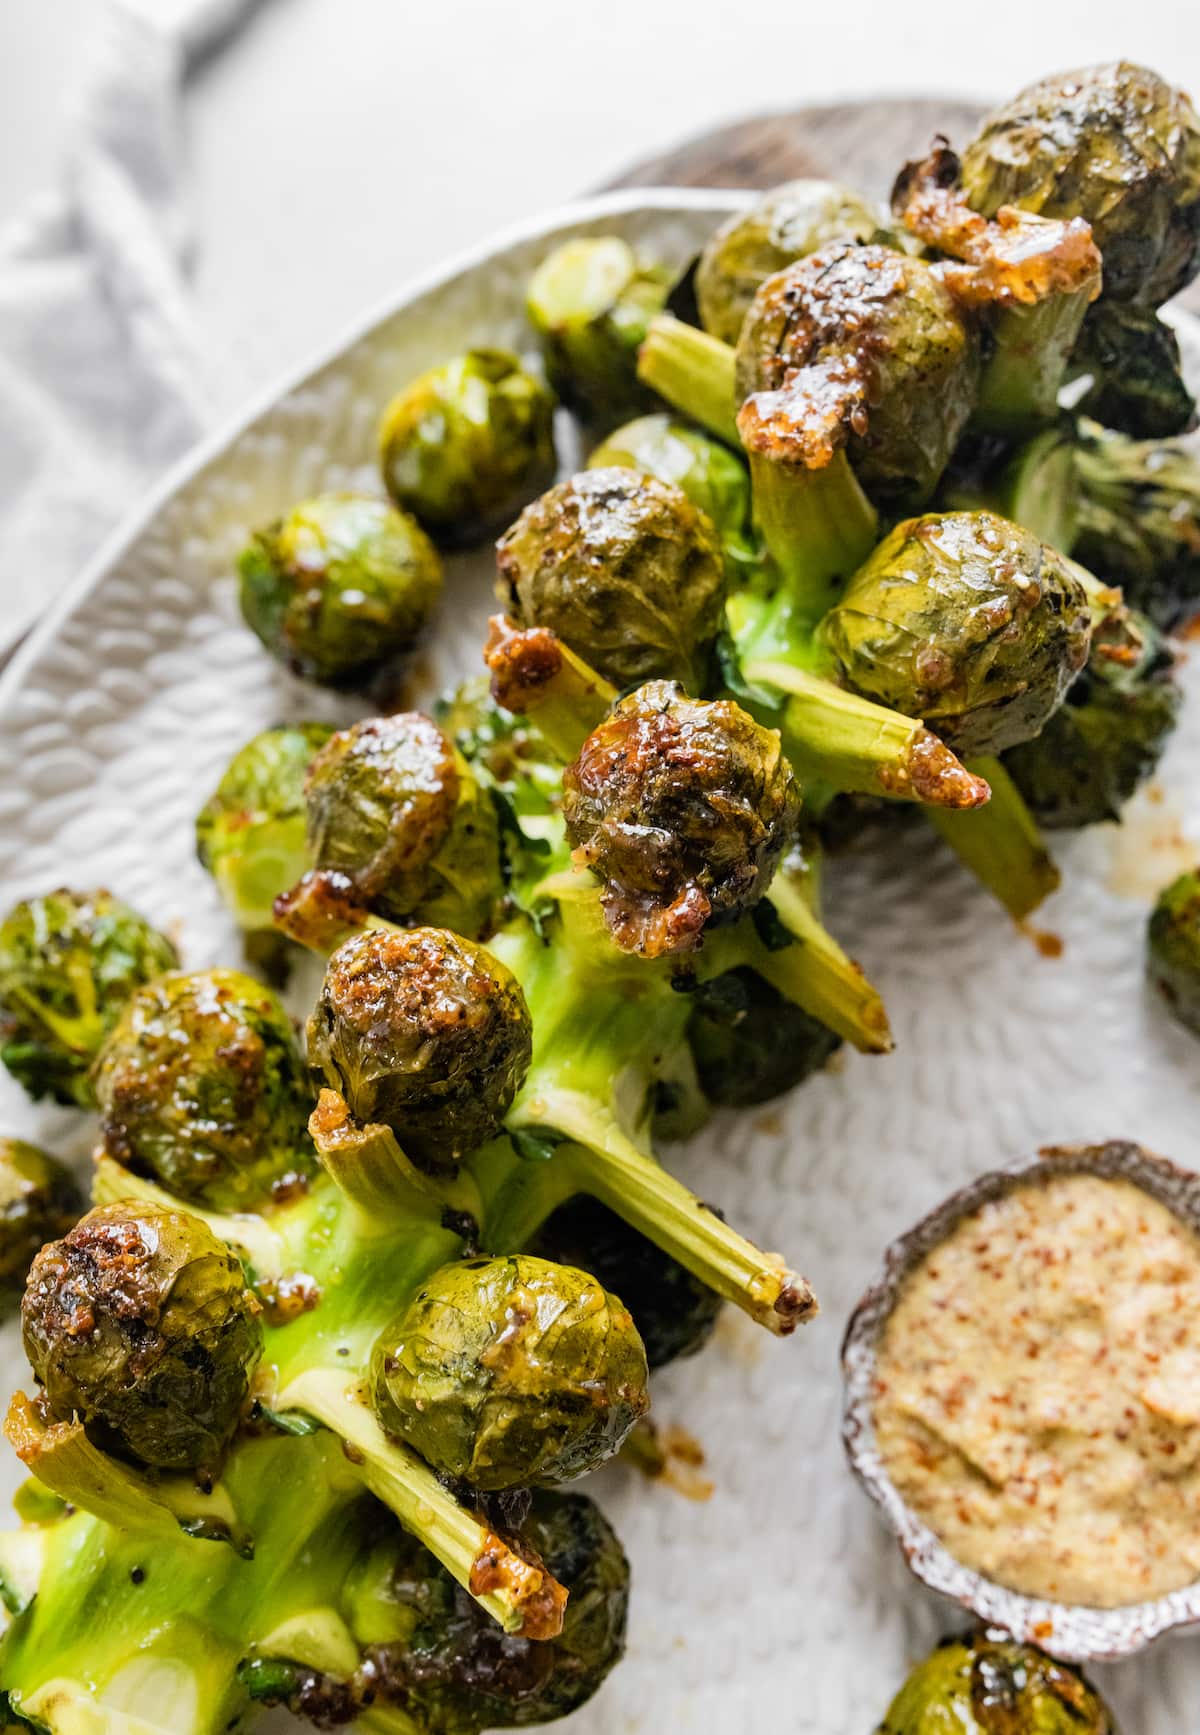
{"x": 38, "y": 1202}
{"x": 673, "y": 1311}
{"x": 967, "y": 621}
{"x": 1115, "y": 145}
{"x": 683, "y": 808}
{"x": 1139, "y": 520}
{"x": 510, "y": 1372}
{"x": 786, "y": 224}
{"x": 590, "y": 302}
{"x": 425, "y": 1033}
{"x": 202, "y": 1088}
{"x": 714, "y": 479}
{"x": 1174, "y": 948}
{"x": 68, "y": 963}
{"x": 987, "y": 1684}
{"x": 468, "y": 443}
{"x": 395, "y": 807}
{"x": 250, "y": 832}
{"x": 1104, "y": 741}
{"x": 750, "y": 1043}
{"x": 1135, "y": 372}
{"x": 339, "y": 587}
{"x": 139, "y": 1322}
{"x": 625, "y": 570}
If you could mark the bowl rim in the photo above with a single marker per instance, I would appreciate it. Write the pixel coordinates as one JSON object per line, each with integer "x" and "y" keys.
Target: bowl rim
{"x": 1071, "y": 1632}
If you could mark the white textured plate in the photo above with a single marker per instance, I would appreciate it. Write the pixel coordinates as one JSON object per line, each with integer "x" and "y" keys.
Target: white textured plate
{"x": 782, "y": 1601}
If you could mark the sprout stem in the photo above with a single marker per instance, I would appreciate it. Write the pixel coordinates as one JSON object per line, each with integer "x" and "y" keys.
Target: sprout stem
{"x": 521, "y": 1596}
{"x": 852, "y": 744}
{"x": 1001, "y": 844}
{"x": 535, "y": 673}
{"x": 694, "y": 372}
{"x": 368, "y": 1165}
{"x": 1025, "y": 372}
{"x": 818, "y": 525}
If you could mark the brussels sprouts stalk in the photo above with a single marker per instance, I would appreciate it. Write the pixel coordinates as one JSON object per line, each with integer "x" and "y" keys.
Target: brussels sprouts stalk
{"x": 534, "y": 673}
{"x": 816, "y": 974}
{"x": 1027, "y": 367}
{"x": 1001, "y": 844}
{"x": 367, "y": 1164}
{"x": 818, "y": 525}
{"x": 693, "y": 372}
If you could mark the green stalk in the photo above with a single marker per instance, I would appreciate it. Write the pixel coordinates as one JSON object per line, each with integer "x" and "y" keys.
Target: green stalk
{"x": 1001, "y": 844}
{"x": 536, "y": 674}
{"x": 366, "y": 1163}
{"x": 1027, "y": 366}
{"x": 818, "y": 525}
{"x": 694, "y": 372}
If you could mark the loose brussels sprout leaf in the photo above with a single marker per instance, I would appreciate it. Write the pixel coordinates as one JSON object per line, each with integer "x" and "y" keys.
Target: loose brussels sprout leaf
{"x": 250, "y": 832}
{"x": 967, "y": 621}
{"x": 786, "y": 224}
{"x": 38, "y": 1202}
{"x": 139, "y": 1322}
{"x": 1115, "y": 145}
{"x": 673, "y": 1311}
{"x": 1174, "y": 948}
{"x": 1104, "y": 741}
{"x": 988, "y": 1684}
{"x": 625, "y": 570}
{"x": 395, "y": 807}
{"x": 340, "y": 587}
{"x": 425, "y": 1033}
{"x": 510, "y": 1372}
{"x": 590, "y": 302}
{"x": 1139, "y": 520}
{"x": 750, "y": 1043}
{"x": 68, "y": 963}
{"x": 202, "y": 1088}
{"x": 468, "y": 443}
{"x": 683, "y": 808}
{"x": 1135, "y": 373}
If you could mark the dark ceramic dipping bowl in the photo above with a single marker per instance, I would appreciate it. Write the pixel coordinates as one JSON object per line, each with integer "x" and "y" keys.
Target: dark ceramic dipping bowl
{"x": 1071, "y": 1632}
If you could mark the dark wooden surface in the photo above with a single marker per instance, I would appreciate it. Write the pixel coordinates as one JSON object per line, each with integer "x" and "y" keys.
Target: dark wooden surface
{"x": 861, "y": 143}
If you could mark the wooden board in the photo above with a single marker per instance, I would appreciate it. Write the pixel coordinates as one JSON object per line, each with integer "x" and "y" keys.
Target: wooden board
{"x": 861, "y": 143}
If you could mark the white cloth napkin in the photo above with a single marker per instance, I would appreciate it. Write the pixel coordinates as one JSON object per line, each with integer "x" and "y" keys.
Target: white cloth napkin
{"x": 102, "y": 379}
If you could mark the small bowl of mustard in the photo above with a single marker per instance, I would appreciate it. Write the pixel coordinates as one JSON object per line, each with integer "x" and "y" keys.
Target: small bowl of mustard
{"x": 1022, "y": 1398}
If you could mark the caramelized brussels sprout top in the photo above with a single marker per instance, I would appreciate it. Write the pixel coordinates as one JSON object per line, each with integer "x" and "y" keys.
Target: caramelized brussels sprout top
{"x": 625, "y": 570}
{"x": 68, "y": 963}
{"x": 38, "y": 1202}
{"x": 139, "y": 1322}
{"x": 987, "y": 1684}
{"x": 683, "y": 808}
{"x": 967, "y": 621}
{"x": 786, "y": 224}
{"x": 512, "y": 1371}
{"x": 424, "y": 1032}
{"x": 340, "y": 587}
{"x": 395, "y": 807}
{"x": 590, "y": 301}
{"x": 202, "y": 1088}
{"x": 465, "y": 446}
{"x": 1174, "y": 948}
{"x": 863, "y": 348}
{"x": 1115, "y": 145}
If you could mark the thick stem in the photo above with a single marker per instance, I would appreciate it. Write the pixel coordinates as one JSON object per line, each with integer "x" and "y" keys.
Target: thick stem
{"x": 523, "y": 1597}
{"x": 1001, "y": 844}
{"x": 818, "y": 525}
{"x": 367, "y": 1164}
{"x": 854, "y": 745}
{"x": 536, "y": 674}
{"x": 1025, "y": 372}
{"x": 694, "y": 372}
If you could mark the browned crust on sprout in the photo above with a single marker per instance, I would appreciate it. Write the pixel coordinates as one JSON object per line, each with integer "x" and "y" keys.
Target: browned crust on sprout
{"x": 938, "y": 777}
{"x": 321, "y": 909}
{"x": 538, "y": 1597}
{"x": 522, "y": 662}
{"x": 810, "y": 418}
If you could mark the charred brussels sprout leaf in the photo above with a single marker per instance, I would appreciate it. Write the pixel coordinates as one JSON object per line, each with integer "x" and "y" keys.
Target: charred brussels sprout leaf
{"x": 967, "y": 621}
{"x": 250, "y": 832}
{"x": 509, "y": 1372}
{"x": 1115, "y": 145}
{"x": 673, "y": 1311}
{"x": 425, "y": 1033}
{"x": 1139, "y": 521}
{"x": 68, "y": 963}
{"x": 625, "y": 570}
{"x": 683, "y": 808}
{"x": 988, "y": 1684}
{"x": 1135, "y": 372}
{"x": 38, "y": 1202}
{"x": 466, "y": 445}
{"x": 202, "y": 1088}
{"x": 786, "y": 224}
{"x": 1104, "y": 741}
{"x": 139, "y": 1322}
{"x": 1174, "y": 948}
{"x": 340, "y": 587}
{"x": 393, "y": 805}
{"x": 750, "y": 1043}
{"x": 590, "y": 302}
